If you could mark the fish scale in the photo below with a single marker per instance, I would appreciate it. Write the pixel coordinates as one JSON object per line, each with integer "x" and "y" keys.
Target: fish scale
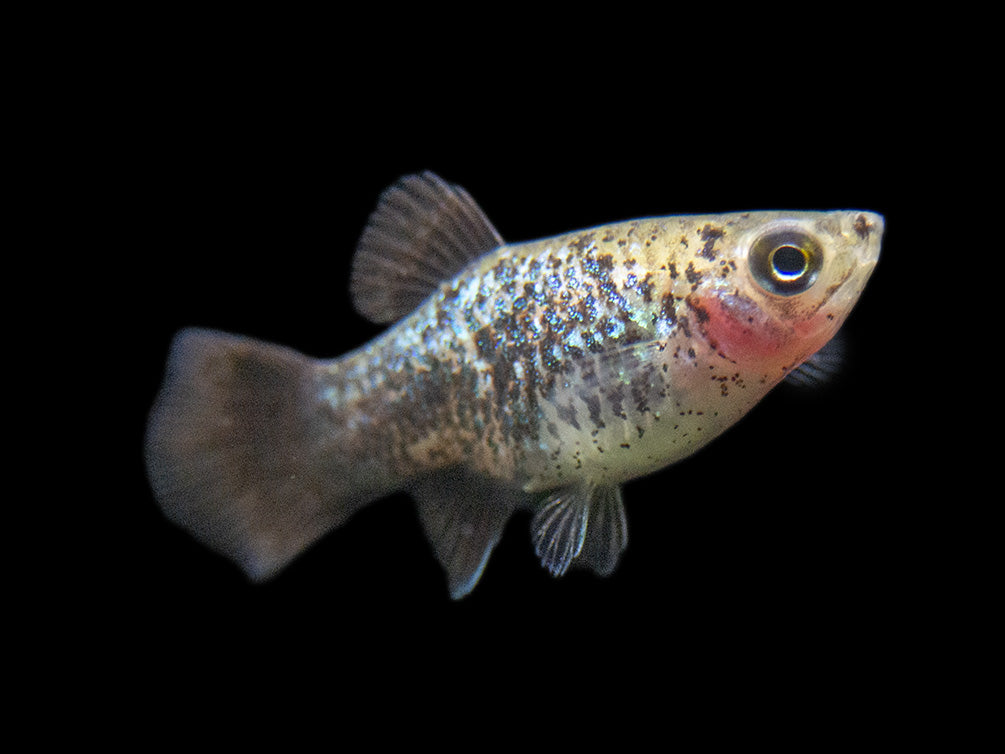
{"x": 540, "y": 375}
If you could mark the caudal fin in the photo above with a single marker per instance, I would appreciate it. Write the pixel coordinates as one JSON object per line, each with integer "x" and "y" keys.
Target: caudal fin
{"x": 240, "y": 453}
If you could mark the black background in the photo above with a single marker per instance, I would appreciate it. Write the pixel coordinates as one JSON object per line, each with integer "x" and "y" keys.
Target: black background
{"x": 791, "y": 538}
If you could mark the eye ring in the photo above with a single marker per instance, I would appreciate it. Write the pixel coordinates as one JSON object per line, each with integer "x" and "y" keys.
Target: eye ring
{"x": 785, "y": 262}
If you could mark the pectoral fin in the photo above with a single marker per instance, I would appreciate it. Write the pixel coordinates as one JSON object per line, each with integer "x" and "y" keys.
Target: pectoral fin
{"x": 559, "y": 528}
{"x": 584, "y": 525}
{"x": 823, "y": 366}
{"x": 607, "y": 535}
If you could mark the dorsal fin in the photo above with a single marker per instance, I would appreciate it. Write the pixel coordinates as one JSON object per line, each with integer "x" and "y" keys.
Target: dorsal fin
{"x": 423, "y": 232}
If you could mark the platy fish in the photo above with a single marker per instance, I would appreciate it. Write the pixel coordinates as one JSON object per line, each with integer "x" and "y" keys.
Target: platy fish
{"x": 540, "y": 375}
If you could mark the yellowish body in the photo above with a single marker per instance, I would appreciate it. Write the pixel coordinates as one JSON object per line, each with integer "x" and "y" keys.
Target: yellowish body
{"x": 541, "y": 374}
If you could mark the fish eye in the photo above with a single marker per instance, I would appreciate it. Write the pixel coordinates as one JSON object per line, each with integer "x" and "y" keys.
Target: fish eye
{"x": 788, "y": 262}
{"x": 785, "y": 262}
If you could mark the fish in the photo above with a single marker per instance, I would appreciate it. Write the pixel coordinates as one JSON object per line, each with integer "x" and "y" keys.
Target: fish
{"x": 535, "y": 376}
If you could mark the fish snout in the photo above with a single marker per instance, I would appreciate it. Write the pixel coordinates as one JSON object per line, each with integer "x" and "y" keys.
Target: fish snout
{"x": 866, "y": 232}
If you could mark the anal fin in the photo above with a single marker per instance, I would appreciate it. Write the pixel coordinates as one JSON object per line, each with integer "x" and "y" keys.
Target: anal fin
{"x": 463, "y": 517}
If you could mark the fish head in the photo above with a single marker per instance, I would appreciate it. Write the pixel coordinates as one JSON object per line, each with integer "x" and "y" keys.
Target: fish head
{"x": 781, "y": 284}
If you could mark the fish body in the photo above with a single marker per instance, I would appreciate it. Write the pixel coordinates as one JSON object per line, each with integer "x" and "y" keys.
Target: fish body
{"x": 541, "y": 375}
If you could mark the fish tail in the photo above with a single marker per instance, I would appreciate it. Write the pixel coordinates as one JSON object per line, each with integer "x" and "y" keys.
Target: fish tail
{"x": 241, "y": 453}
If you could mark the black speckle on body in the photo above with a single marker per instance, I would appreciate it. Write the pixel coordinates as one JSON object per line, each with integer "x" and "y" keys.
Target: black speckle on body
{"x": 700, "y": 313}
{"x": 567, "y": 414}
{"x": 668, "y": 309}
{"x": 583, "y": 242}
{"x": 692, "y": 275}
{"x": 710, "y": 234}
{"x": 593, "y": 406}
{"x": 616, "y": 397}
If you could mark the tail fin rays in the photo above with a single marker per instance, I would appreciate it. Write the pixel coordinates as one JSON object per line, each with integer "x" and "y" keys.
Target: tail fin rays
{"x": 238, "y": 452}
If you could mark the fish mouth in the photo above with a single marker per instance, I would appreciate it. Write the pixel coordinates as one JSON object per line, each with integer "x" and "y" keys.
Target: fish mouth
{"x": 866, "y": 231}
{"x": 863, "y": 234}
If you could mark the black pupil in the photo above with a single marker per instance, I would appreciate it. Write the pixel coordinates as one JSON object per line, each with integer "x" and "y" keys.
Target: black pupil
{"x": 788, "y": 261}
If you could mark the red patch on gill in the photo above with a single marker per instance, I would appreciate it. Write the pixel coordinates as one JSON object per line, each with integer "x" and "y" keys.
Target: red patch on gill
{"x": 738, "y": 328}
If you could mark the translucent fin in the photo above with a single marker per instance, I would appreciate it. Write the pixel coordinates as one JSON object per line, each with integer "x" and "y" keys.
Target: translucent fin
{"x": 607, "y": 534}
{"x": 464, "y": 517}
{"x": 559, "y": 528}
{"x": 237, "y": 453}
{"x": 583, "y": 525}
{"x": 822, "y": 367}
{"x": 422, "y": 233}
